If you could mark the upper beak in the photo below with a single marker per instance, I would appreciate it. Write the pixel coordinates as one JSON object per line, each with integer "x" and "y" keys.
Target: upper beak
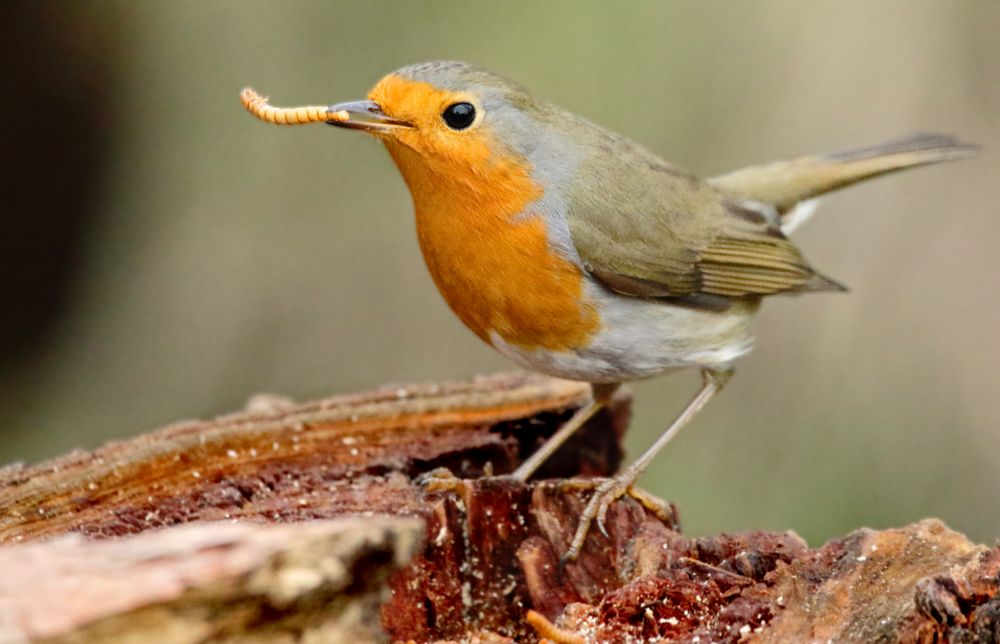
{"x": 367, "y": 116}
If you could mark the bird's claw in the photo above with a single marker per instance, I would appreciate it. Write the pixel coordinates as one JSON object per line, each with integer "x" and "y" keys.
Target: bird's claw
{"x": 605, "y": 493}
{"x": 596, "y": 511}
{"x": 660, "y": 508}
{"x": 440, "y": 479}
{"x": 607, "y": 497}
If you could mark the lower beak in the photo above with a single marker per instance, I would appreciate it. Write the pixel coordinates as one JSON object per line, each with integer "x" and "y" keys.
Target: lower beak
{"x": 367, "y": 116}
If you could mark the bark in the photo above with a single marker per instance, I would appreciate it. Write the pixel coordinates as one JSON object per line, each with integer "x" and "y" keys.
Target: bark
{"x": 333, "y": 521}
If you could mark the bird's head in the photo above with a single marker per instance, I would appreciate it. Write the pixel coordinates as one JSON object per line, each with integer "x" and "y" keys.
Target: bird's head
{"x": 449, "y": 121}
{"x": 459, "y": 133}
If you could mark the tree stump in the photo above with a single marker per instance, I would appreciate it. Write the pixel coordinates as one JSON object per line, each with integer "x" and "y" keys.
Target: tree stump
{"x": 338, "y": 520}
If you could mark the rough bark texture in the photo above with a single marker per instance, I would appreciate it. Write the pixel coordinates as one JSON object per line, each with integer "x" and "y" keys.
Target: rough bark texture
{"x": 313, "y": 523}
{"x": 316, "y": 581}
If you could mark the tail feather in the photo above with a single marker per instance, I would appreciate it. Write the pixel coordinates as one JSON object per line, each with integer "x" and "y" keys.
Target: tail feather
{"x": 820, "y": 282}
{"x": 784, "y": 184}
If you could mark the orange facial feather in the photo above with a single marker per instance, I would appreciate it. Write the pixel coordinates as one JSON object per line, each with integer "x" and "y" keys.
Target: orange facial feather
{"x": 487, "y": 253}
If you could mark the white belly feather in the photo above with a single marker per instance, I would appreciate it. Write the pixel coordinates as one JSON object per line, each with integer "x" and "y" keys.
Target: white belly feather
{"x": 642, "y": 338}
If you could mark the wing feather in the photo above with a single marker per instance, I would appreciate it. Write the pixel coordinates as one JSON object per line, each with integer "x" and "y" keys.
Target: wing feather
{"x": 647, "y": 229}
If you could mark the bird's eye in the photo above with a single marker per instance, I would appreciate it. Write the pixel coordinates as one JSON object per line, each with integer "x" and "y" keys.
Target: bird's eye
{"x": 459, "y": 116}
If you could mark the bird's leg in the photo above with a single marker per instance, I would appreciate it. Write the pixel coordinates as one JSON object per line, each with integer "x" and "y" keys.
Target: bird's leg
{"x": 601, "y": 394}
{"x": 613, "y": 488}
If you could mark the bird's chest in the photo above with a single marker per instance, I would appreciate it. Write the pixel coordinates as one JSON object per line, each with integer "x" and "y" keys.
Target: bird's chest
{"x": 500, "y": 276}
{"x": 490, "y": 257}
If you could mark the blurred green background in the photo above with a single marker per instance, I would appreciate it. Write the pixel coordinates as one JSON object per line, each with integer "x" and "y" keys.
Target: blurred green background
{"x": 165, "y": 256}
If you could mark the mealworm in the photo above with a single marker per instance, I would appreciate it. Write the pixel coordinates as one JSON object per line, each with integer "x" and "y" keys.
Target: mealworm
{"x": 257, "y": 105}
{"x": 549, "y": 631}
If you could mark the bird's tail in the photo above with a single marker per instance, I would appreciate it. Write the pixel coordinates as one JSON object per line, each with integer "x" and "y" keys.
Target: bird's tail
{"x": 790, "y": 185}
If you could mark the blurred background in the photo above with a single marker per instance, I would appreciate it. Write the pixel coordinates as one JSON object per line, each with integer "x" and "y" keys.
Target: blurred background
{"x": 165, "y": 256}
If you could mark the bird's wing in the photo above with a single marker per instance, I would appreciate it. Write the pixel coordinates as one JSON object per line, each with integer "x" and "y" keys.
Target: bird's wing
{"x": 645, "y": 229}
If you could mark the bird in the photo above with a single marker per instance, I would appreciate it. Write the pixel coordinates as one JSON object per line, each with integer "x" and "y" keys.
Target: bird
{"x": 579, "y": 253}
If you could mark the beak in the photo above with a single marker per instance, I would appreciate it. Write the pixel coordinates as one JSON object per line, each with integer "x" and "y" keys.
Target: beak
{"x": 366, "y": 116}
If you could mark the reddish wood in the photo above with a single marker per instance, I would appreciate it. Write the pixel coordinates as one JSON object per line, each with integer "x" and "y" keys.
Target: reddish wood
{"x": 488, "y": 563}
{"x": 287, "y": 462}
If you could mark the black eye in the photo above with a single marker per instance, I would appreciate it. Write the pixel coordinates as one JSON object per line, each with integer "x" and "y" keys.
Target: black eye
{"x": 459, "y": 115}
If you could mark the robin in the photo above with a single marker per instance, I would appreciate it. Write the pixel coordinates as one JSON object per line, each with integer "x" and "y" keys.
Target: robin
{"x": 579, "y": 253}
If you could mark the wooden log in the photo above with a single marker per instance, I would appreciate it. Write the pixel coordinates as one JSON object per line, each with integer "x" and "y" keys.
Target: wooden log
{"x": 332, "y": 521}
{"x": 285, "y": 462}
{"x": 212, "y": 581}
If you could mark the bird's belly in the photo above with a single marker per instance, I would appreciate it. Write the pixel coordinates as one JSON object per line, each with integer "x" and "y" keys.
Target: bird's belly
{"x": 643, "y": 338}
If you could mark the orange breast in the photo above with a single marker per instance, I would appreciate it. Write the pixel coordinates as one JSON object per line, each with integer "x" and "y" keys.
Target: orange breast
{"x": 493, "y": 264}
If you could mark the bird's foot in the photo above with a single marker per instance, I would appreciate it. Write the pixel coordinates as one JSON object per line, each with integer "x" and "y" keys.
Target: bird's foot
{"x": 606, "y": 492}
{"x": 440, "y": 479}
